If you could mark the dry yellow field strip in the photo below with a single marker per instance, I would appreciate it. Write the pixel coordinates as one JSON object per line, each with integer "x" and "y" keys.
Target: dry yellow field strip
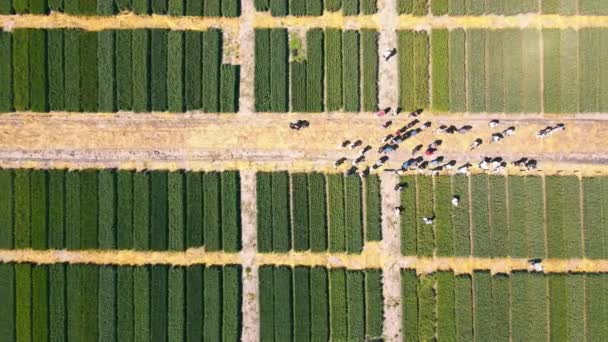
{"x": 265, "y": 142}
{"x": 370, "y": 258}
{"x": 328, "y": 19}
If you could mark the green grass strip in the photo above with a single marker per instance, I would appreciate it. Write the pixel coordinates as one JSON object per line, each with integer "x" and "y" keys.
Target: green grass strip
{"x": 57, "y": 303}
{"x": 426, "y": 307}
{"x": 212, "y": 60}
{"x": 404, "y": 6}
{"x": 575, "y": 285}
{"x": 124, "y": 5}
{"x": 499, "y": 222}
{"x": 107, "y": 209}
{"x": 496, "y": 7}
{"x": 124, "y": 303}
{"x": 175, "y": 71}
{"x": 572, "y": 218}
{"x": 314, "y": 7}
{"x": 229, "y": 88}
{"x": 563, "y": 217}
{"x": 457, "y": 76}
{"x": 23, "y": 302}
{"x": 6, "y": 209}
{"x": 106, "y": 41}
{"x": 353, "y": 214}
{"x": 6, "y": 7}
{"x": 373, "y": 205}
{"x": 124, "y": 210}
{"x": 176, "y": 211}
{"x": 482, "y": 297}
{"x": 88, "y": 71}
{"x": 212, "y": 308}
{"x": 72, "y": 210}
{"x": 230, "y": 205}
{"x": 211, "y": 211}
{"x": 231, "y": 8}
{"x": 333, "y": 67}
{"x": 589, "y": 68}
{"x": 231, "y": 303}
{"x": 194, "y": 7}
{"x": 301, "y": 303}
{"x": 266, "y": 290}
{"x": 279, "y": 70}
{"x": 374, "y": 306}
{"x": 535, "y": 225}
{"x": 76, "y": 301}
{"x": 21, "y": 6}
{"x": 350, "y": 7}
{"x": 501, "y": 299}
{"x": 409, "y": 221}
{"x": 158, "y": 211}
{"x": 531, "y": 71}
{"x": 21, "y": 69}
{"x": 333, "y": 5}
{"x": 513, "y": 69}
{"x": 495, "y": 90}
{"x": 264, "y": 211}
{"x": 555, "y": 203}
{"x": 159, "y": 6}
{"x": 279, "y": 8}
{"x": 298, "y": 86}
{"x": 569, "y": 71}
{"x": 299, "y": 197}
{"x": 6, "y": 72}
{"x": 355, "y": 284}
{"x": 552, "y": 69}
{"x": 105, "y": 8}
{"x": 464, "y": 308}
{"x": 262, "y": 70}
{"x": 56, "y": 209}
{"x": 317, "y": 207}
{"x": 369, "y": 46}
{"x": 40, "y": 303}
{"x": 90, "y": 288}
{"x": 482, "y": 232}
{"x": 194, "y": 210}
{"x": 141, "y": 70}
{"x": 281, "y": 230}
{"x": 141, "y": 304}
{"x": 596, "y": 286}
{"x": 409, "y": 296}
{"x": 444, "y": 231}
{"x": 194, "y": 302}
{"x": 528, "y": 298}
{"x": 158, "y": 70}
{"x": 176, "y": 303}
{"x": 440, "y": 66}
{"x": 193, "y": 69}
{"x": 338, "y": 304}
{"x": 39, "y": 207}
{"x": 558, "y": 306}
{"x": 319, "y": 309}
{"x": 38, "y": 70}
{"x": 124, "y": 70}
{"x": 518, "y": 237}
{"x": 421, "y": 69}
{"x": 22, "y": 209}
{"x": 314, "y": 70}
{"x": 107, "y": 303}
{"x": 336, "y": 219}
{"x": 351, "y": 71}
{"x": 283, "y": 304}
{"x": 89, "y": 209}
{"x": 588, "y": 7}
{"x": 141, "y": 7}
{"x": 475, "y": 71}
{"x": 141, "y": 211}
{"x": 457, "y": 7}
{"x": 446, "y": 320}
{"x": 424, "y": 208}
{"x": 7, "y": 301}
{"x": 603, "y": 91}
{"x": 595, "y": 238}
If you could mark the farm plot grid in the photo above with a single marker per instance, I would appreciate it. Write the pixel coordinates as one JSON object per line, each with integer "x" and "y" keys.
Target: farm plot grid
{"x": 500, "y": 7}
{"x": 505, "y": 216}
{"x": 316, "y": 7}
{"x": 116, "y": 70}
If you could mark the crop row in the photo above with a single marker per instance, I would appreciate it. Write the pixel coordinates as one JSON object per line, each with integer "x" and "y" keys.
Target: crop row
{"x": 119, "y": 210}
{"x": 507, "y": 217}
{"x": 301, "y": 303}
{"x": 441, "y": 305}
{"x": 316, "y": 7}
{"x": 109, "y": 71}
{"x": 413, "y": 69}
{"x": 107, "y": 303}
{"x": 501, "y": 7}
{"x": 333, "y": 67}
{"x": 207, "y": 8}
{"x": 316, "y": 212}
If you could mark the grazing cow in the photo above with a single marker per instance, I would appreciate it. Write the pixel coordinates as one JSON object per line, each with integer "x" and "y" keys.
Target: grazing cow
{"x": 356, "y": 144}
{"x": 476, "y": 143}
{"x": 465, "y": 129}
{"x": 417, "y": 149}
{"x": 339, "y": 162}
{"x": 494, "y": 123}
{"x": 497, "y": 137}
{"x": 509, "y": 131}
{"x": 455, "y": 200}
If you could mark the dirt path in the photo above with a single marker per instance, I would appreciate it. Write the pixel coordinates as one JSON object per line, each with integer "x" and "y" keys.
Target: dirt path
{"x": 248, "y": 256}
{"x": 260, "y": 141}
{"x": 391, "y": 273}
{"x": 247, "y": 56}
{"x": 388, "y": 70}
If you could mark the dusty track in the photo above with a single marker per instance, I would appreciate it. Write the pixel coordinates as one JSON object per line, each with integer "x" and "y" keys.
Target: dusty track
{"x": 264, "y": 141}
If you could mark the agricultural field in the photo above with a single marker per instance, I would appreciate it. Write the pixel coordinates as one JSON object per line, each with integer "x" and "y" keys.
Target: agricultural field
{"x": 496, "y": 71}
{"x": 279, "y": 8}
{"x": 338, "y": 71}
{"x": 500, "y": 7}
{"x": 109, "y": 303}
{"x": 207, "y": 8}
{"x": 140, "y": 70}
{"x": 506, "y": 216}
{"x": 482, "y": 307}
{"x": 320, "y": 304}
{"x": 317, "y": 212}
{"x": 119, "y": 210}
